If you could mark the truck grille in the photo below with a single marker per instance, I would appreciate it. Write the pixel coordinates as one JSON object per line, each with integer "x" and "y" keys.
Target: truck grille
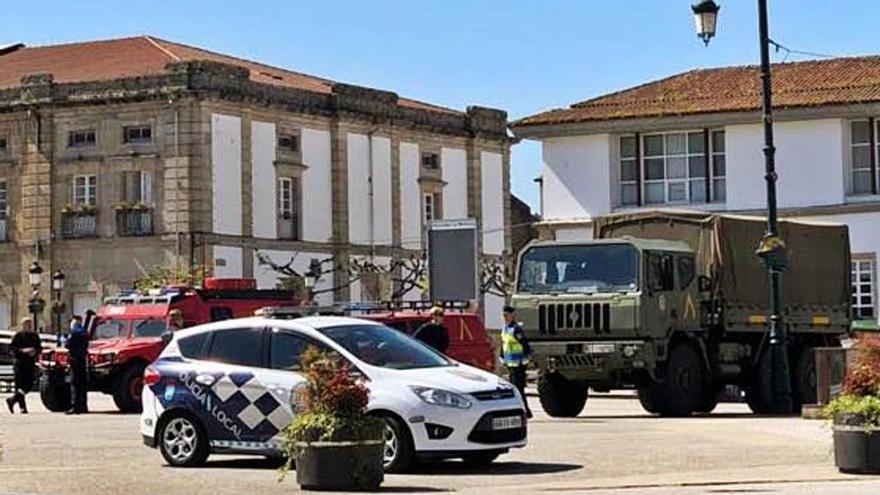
{"x": 573, "y": 317}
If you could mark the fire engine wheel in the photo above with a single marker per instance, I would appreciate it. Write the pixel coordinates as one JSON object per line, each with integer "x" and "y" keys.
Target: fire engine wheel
{"x": 561, "y": 397}
{"x": 55, "y": 392}
{"x": 182, "y": 441}
{"x": 127, "y": 388}
{"x": 682, "y": 389}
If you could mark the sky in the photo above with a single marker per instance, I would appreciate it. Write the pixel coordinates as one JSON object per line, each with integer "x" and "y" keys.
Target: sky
{"x": 522, "y": 56}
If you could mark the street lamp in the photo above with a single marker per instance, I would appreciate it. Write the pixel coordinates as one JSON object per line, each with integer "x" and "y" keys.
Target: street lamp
{"x": 706, "y": 19}
{"x": 58, "y": 304}
{"x": 35, "y": 304}
{"x": 771, "y": 248}
{"x": 310, "y": 278}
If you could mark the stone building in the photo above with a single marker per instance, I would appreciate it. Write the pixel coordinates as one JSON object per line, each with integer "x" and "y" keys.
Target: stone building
{"x": 120, "y": 155}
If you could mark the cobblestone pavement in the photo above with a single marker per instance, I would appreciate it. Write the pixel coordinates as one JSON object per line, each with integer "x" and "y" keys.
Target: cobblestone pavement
{"x": 613, "y": 447}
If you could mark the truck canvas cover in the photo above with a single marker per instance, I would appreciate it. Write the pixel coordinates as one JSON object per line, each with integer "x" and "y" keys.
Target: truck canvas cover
{"x": 817, "y": 279}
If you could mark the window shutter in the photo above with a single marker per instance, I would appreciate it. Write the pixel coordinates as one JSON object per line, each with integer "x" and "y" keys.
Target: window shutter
{"x": 146, "y": 187}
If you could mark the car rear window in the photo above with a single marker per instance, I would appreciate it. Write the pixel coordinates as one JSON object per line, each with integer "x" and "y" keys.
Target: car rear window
{"x": 240, "y": 346}
{"x": 194, "y": 347}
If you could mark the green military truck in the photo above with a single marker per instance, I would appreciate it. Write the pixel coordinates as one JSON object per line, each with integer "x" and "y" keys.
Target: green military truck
{"x": 675, "y": 305}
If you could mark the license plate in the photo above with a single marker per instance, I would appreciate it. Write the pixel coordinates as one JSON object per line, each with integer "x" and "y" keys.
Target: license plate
{"x": 507, "y": 423}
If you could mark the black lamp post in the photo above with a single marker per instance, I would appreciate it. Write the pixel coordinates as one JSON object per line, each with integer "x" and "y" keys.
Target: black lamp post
{"x": 310, "y": 278}
{"x": 57, "y": 304}
{"x": 35, "y": 304}
{"x": 771, "y": 247}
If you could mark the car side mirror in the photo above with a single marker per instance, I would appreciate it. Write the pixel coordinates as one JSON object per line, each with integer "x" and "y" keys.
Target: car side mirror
{"x": 704, "y": 283}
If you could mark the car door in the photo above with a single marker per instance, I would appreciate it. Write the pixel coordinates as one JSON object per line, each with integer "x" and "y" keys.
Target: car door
{"x": 232, "y": 398}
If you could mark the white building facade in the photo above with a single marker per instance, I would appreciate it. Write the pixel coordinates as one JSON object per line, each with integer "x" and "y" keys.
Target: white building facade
{"x": 685, "y": 150}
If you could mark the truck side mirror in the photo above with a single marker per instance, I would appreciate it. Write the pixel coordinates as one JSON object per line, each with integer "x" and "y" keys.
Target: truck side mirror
{"x": 704, "y": 283}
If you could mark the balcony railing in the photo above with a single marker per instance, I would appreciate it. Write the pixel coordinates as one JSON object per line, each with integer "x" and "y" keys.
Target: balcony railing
{"x": 288, "y": 229}
{"x": 79, "y": 225}
{"x": 3, "y": 234}
{"x": 134, "y": 223}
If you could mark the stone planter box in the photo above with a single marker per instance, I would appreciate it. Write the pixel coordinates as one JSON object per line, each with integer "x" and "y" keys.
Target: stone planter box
{"x": 340, "y": 465}
{"x": 856, "y": 449}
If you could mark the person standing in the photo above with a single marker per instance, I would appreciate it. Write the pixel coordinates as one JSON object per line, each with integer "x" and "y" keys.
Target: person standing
{"x": 433, "y": 333}
{"x": 78, "y": 356}
{"x": 174, "y": 323}
{"x": 515, "y": 353}
{"x": 25, "y": 348}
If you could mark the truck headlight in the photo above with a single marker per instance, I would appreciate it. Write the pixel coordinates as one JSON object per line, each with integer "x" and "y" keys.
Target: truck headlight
{"x": 629, "y": 350}
{"x": 439, "y": 397}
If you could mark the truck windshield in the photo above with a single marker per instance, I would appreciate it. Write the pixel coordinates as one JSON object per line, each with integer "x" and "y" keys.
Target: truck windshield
{"x": 584, "y": 268}
{"x": 109, "y": 329}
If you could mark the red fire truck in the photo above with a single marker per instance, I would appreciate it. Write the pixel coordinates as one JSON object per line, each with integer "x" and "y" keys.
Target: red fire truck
{"x": 128, "y": 330}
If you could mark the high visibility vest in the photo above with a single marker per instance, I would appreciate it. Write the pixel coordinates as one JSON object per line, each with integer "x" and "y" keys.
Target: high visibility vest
{"x": 511, "y": 348}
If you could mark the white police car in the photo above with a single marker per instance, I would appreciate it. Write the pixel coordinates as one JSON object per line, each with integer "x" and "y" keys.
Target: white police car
{"x": 226, "y": 388}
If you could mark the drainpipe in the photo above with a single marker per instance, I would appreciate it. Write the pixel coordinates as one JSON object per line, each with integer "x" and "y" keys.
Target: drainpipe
{"x": 372, "y": 191}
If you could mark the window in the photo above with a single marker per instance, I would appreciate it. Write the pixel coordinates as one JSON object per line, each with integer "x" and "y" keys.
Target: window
{"x": 239, "y": 346}
{"x": 861, "y": 151}
{"x": 863, "y": 276}
{"x": 288, "y": 217}
{"x": 3, "y": 145}
{"x": 137, "y": 187}
{"x": 81, "y": 138}
{"x": 672, "y": 168}
{"x": 629, "y": 171}
{"x": 149, "y": 328}
{"x": 221, "y": 313}
{"x": 660, "y": 272}
{"x": 431, "y": 207}
{"x": 109, "y": 329}
{"x": 379, "y": 345}
{"x": 4, "y": 200}
{"x": 287, "y": 349}
{"x": 137, "y": 134}
{"x": 686, "y": 271}
{"x": 194, "y": 346}
{"x": 431, "y": 161}
{"x": 288, "y": 143}
{"x": 85, "y": 190}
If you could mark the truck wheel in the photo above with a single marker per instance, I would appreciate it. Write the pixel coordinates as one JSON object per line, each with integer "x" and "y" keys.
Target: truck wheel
{"x": 55, "y": 392}
{"x": 681, "y": 390}
{"x": 803, "y": 388}
{"x": 649, "y": 398}
{"x": 127, "y": 388}
{"x": 711, "y": 397}
{"x": 561, "y": 397}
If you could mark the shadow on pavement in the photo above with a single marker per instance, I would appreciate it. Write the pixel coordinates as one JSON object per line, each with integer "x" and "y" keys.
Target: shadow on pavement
{"x": 244, "y": 463}
{"x": 412, "y": 489}
{"x": 494, "y": 469}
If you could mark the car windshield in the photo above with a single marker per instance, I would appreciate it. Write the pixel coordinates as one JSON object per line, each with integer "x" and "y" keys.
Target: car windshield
{"x": 382, "y": 346}
{"x": 109, "y": 329}
{"x": 583, "y": 268}
{"x": 149, "y": 328}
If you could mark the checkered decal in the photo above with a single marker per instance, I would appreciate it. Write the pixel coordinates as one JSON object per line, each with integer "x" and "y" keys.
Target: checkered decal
{"x": 245, "y": 397}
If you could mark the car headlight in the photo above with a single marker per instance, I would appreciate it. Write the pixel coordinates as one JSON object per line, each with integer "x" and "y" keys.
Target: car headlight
{"x": 438, "y": 397}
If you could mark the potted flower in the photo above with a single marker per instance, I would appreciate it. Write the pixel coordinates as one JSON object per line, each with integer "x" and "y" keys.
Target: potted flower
{"x": 856, "y": 412}
{"x": 334, "y": 444}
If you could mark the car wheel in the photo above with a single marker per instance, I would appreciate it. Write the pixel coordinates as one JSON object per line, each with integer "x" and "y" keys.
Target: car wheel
{"x": 183, "y": 441}
{"x": 398, "y": 453}
{"x": 480, "y": 459}
{"x": 127, "y": 389}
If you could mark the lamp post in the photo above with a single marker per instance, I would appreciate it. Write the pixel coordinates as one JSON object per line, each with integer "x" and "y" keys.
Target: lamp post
{"x": 771, "y": 248}
{"x": 57, "y": 304}
{"x": 310, "y": 278}
{"x": 35, "y": 304}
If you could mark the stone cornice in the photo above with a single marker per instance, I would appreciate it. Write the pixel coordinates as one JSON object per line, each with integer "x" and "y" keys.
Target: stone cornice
{"x": 233, "y": 83}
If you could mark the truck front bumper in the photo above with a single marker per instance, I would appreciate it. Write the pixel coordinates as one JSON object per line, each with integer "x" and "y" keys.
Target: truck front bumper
{"x": 606, "y": 362}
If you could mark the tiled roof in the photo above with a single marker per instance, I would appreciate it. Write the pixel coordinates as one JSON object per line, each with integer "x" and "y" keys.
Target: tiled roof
{"x": 815, "y": 83}
{"x": 145, "y": 56}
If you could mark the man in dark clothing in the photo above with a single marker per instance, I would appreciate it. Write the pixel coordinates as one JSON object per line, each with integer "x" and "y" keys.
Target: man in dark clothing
{"x": 515, "y": 353}
{"x": 25, "y": 348}
{"x": 433, "y": 333}
{"x": 78, "y": 357}
{"x": 175, "y": 323}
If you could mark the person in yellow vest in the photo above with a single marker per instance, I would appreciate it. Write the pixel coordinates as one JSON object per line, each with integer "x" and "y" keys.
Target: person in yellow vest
{"x": 515, "y": 353}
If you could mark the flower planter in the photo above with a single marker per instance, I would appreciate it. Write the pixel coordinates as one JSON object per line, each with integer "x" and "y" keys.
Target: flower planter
{"x": 339, "y": 465}
{"x": 856, "y": 448}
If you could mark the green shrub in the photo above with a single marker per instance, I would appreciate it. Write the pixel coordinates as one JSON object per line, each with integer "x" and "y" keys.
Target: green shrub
{"x": 861, "y": 386}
